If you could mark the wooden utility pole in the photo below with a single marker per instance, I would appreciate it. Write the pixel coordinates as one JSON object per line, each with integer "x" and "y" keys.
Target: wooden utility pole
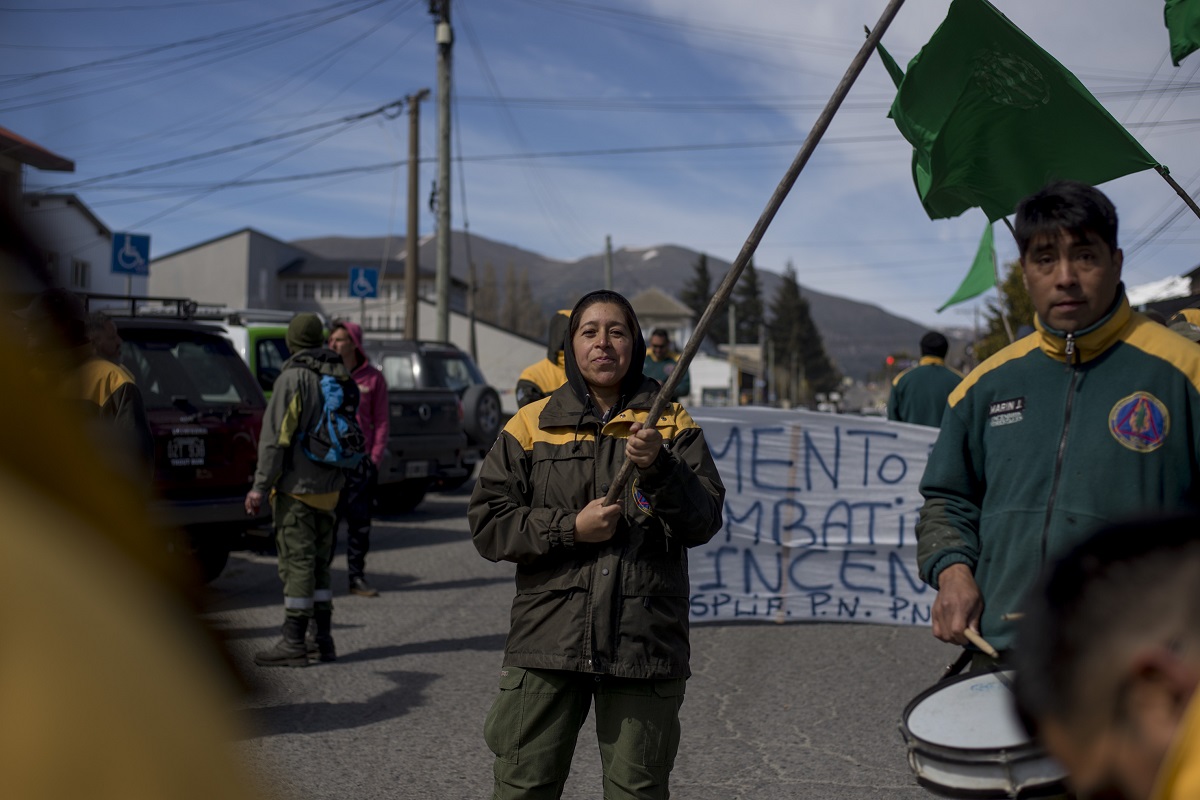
{"x": 444, "y": 36}
{"x": 412, "y": 273}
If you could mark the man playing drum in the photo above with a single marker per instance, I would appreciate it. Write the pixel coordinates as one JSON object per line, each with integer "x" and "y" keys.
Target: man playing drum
{"x": 1108, "y": 661}
{"x": 1093, "y": 416}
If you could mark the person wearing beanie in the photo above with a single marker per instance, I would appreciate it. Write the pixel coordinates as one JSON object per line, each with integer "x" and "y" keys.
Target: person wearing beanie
{"x": 358, "y": 495}
{"x": 919, "y": 393}
{"x": 303, "y": 493}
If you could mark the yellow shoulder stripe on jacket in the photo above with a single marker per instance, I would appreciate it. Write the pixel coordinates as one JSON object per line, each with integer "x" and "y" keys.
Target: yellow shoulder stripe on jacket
{"x": 1153, "y": 339}
{"x": 1018, "y": 349}
{"x": 523, "y": 426}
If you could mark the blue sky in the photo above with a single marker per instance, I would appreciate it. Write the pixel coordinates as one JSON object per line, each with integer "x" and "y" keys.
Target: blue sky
{"x": 655, "y": 122}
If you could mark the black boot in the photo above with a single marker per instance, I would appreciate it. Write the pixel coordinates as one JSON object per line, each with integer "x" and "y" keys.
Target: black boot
{"x": 288, "y": 651}
{"x": 320, "y": 644}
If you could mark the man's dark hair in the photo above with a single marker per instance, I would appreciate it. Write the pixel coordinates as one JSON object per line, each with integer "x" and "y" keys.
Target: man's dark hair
{"x": 661, "y": 332}
{"x": 934, "y": 344}
{"x": 1132, "y": 581}
{"x": 1068, "y": 206}
{"x": 97, "y": 321}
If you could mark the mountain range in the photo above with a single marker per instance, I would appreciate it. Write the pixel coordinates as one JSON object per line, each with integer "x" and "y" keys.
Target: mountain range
{"x": 858, "y": 336}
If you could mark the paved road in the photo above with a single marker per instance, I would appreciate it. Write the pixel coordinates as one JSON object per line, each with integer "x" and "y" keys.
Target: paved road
{"x": 772, "y": 712}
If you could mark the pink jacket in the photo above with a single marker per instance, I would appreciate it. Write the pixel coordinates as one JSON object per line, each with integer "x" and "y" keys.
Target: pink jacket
{"x": 373, "y": 413}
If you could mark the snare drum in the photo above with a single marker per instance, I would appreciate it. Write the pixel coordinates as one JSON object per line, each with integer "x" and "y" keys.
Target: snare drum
{"x": 964, "y": 740}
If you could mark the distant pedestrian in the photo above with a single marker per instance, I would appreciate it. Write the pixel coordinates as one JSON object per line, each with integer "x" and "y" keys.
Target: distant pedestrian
{"x": 661, "y": 361}
{"x": 540, "y": 379}
{"x": 601, "y": 606}
{"x": 919, "y": 393}
{"x": 358, "y": 495}
{"x": 102, "y": 333}
{"x": 303, "y": 493}
{"x": 57, "y": 325}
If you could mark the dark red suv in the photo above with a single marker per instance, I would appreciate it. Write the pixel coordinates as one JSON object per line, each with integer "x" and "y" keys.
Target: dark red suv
{"x": 205, "y": 410}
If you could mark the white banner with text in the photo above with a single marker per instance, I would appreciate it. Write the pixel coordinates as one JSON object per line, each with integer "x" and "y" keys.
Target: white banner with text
{"x": 820, "y": 519}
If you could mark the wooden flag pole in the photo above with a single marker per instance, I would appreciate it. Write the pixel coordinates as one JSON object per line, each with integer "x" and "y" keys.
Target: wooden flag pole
{"x": 1166, "y": 176}
{"x": 760, "y": 228}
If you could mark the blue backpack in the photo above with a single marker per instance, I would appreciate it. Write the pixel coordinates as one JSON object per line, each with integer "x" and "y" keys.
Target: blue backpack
{"x": 336, "y": 440}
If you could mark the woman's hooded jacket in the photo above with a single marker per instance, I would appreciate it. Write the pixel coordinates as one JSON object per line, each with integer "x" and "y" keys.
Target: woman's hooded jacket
{"x": 618, "y": 607}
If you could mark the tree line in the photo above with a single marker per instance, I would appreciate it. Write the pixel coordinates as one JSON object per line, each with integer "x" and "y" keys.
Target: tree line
{"x": 802, "y": 367}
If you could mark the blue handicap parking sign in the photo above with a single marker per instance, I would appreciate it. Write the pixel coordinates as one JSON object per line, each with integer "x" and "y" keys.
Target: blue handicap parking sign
{"x": 364, "y": 282}
{"x": 131, "y": 254}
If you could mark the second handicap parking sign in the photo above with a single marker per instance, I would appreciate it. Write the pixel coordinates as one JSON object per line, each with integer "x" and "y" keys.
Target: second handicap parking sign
{"x": 364, "y": 282}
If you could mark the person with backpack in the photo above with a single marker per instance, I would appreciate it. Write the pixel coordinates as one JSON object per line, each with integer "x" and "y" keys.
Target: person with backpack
{"x": 309, "y": 439}
{"x": 358, "y": 495}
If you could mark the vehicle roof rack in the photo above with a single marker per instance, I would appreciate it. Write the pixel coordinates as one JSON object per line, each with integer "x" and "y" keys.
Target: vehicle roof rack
{"x": 126, "y": 306}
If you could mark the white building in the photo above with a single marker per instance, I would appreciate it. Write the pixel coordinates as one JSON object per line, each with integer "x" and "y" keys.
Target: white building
{"x": 78, "y": 246}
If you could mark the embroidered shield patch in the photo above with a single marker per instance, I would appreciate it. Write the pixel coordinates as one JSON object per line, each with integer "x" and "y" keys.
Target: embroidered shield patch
{"x": 640, "y": 500}
{"x": 1140, "y": 422}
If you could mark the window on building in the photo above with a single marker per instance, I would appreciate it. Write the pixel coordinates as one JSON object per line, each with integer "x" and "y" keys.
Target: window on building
{"x": 291, "y": 290}
{"x": 81, "y": 277}
{"x": 52, "y": 265}
{"x": 308, "y": 291}
{"x": 326, "y": 290}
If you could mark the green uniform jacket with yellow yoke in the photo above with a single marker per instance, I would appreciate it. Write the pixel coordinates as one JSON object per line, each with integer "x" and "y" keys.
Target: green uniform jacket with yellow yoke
{"x": 919, "y": 394}
{"x": 619, "y": 607}
{"x": 1052, "y": 437}
{"x": 293, "y": 410}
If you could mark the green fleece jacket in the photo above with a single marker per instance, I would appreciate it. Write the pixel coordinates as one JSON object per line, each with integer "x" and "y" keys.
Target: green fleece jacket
{"x": 294, "y": 409}
{"x": 1052, "y": 437}
{"x": 919, "y": 394}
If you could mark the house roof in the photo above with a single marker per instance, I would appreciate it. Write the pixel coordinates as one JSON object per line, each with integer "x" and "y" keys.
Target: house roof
{"x": 31, "y": 153}
{"x": 656, "y": 303}
{"x": 33, "y": 200}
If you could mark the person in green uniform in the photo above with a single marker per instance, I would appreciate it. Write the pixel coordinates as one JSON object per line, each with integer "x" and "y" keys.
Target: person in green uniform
{"x": 919, "y": 393}
{"x": 1093, "y": 417}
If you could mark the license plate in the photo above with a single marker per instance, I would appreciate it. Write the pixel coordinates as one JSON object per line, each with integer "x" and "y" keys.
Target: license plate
{"x": 416, "y": 469}
{"x": 186, "y": 451}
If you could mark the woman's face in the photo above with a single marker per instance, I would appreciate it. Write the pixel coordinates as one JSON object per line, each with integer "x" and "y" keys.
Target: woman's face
{"x": 603, "y": 345}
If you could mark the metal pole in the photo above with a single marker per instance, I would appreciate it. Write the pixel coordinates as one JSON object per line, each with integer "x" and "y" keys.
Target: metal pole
{"x": 756, "y": 234}
{"x": 412, "y": 267}
{"x": 734, "y": 383}
{"x": 445, "y": 42}
{"x": 608, "y": 276}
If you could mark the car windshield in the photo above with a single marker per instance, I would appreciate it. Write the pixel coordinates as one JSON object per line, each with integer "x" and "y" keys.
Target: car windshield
{"x": 174, "y": 367}
{"x": 451, "y": 371}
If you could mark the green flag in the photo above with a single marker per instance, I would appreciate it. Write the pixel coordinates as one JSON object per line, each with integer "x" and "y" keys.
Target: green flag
{"x": 1183, "y": 24}
{"x": 993, "y": 117}
{"x": 981, "y": 276}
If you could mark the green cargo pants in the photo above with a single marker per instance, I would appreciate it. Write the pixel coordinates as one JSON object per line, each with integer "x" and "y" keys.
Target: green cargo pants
{"x": 535, "y": 721}
{"x": 304, "y": 538}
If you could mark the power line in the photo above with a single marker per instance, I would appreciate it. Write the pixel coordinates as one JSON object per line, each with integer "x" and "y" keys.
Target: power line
{"x": 396, "y": 105}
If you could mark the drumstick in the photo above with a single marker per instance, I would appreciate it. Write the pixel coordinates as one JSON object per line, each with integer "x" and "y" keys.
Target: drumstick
{"x": 1014, "y": 616}
{"x": 980, "y": 642}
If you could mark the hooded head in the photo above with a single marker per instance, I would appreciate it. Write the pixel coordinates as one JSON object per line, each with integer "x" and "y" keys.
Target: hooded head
{"x": 633, "y": 378}
{"x": 556, "y": 336}
{"x": 354, "y": 331}
{"x": 305, "y": 332}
